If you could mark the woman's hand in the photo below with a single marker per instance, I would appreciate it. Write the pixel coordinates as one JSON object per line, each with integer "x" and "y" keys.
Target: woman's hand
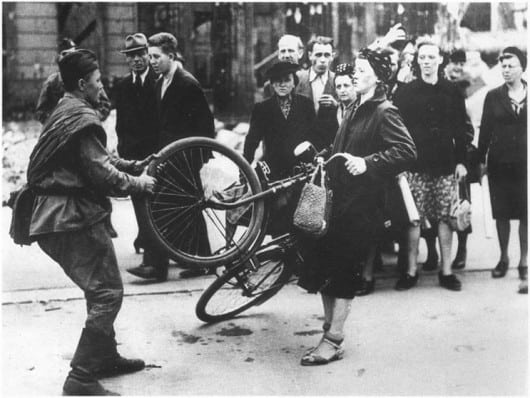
{"x": 460, "y": 172}
{"x": 354, "y": 164}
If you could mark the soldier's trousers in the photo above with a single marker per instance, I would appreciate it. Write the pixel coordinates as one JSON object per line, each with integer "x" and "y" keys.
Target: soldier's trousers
{"x": 89, "y": 260}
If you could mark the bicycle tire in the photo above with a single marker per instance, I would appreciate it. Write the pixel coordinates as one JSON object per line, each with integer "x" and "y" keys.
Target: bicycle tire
{"x": 177, "y": 218}
{"x": 214, "y": 304}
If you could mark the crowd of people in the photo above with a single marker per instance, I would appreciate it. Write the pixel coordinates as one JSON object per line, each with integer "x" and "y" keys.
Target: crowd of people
{"x": 398, "y": 108}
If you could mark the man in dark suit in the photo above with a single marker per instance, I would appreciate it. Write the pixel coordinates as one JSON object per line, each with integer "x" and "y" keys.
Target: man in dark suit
{"x": 182, "y": 112}
{"x": 136, "y": 117}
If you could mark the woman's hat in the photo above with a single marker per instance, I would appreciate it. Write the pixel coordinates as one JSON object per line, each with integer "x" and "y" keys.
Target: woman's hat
{"x": 344, "y": 69}
{"x": 280, "y": 69}
{"x": 135, "y": 42}
{"x": 513, "y": 52}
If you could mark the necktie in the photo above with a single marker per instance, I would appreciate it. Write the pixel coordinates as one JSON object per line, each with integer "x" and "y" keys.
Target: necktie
{"x": 138, "y": 82}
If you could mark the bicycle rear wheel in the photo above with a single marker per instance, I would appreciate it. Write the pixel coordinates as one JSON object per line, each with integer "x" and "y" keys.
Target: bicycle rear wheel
{"x": 178, "y": 216}
{"x": 244, "y": 286}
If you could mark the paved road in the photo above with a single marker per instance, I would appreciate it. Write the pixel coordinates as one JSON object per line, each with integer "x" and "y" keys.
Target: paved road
{"x": 426, "y": 341}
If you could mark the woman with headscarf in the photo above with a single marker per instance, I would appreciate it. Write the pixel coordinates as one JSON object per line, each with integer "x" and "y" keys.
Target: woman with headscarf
{"x": 377, "y": 146}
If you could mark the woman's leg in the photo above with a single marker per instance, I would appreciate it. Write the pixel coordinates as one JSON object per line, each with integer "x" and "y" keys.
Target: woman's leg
{"x": 328, "y": 303}
{"x": 523, "y": 242}
{"x": 503, "y": 233}
{"x": 341, "y": 310}
{"x": 445, "y": 235}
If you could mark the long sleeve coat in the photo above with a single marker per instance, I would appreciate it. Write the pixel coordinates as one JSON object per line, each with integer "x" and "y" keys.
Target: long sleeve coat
{"x": 136, "y": 117}
{"x": 183, "y": 111}
{"x": 503, "y": 133}
{"x": 279, "y": 135}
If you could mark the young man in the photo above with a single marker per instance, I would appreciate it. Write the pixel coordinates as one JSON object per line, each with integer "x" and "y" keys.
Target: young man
{"x": 72, "y": 174}
{"x": 136, "y": 113}
{"x": 182, "y": 112}
{"x": 317, "y": 83}
{"x": 53, "y": 89}
{"x": 434, "y": 112}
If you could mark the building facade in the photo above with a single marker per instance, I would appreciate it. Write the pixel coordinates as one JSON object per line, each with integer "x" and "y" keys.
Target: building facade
{"x": 227, "y": 46}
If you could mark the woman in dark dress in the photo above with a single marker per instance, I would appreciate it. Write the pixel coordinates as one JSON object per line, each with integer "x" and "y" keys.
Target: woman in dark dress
{"x": 503, "y": 131}
{"x": 281, "y": 122}
{"x": 377, "y": 146}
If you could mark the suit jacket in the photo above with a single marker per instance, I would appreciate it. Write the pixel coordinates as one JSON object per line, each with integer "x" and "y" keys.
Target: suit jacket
{"x": 304, "y": 85}
{"x": 326, "y": 122}
{"x": 503, "y": 133}
{"x": 184, "y": 111}
{"x": 136, "y": 117}
{"x": 280, "y": 135}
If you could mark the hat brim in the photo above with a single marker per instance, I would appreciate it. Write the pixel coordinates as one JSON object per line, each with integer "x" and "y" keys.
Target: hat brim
{"x": 132, "y": 49}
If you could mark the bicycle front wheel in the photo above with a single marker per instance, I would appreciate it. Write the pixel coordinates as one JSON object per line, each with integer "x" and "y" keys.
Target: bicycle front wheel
{"x": 178, "y": 216}
{"x": 246, "y": 285}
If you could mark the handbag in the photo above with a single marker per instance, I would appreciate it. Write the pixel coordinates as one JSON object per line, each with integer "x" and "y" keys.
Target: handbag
{"x": 460, "y": 212}
{"x": 313, "y": 212}
{"x": 21, "y": 201}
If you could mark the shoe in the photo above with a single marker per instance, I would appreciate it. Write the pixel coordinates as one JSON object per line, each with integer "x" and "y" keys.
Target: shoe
{"x": 523, "y": 272}
{"x": 450, "y": 282}
{"x": 149, "y": 272}
{"x": 431, "y": 264}
{"x": 312, "y": 359}
{"x": 119, "y": 366}
{"x": 366, "y": 287}
{"x": 523, "y": 287}
{"x": 195, "y": 272}
{"x": 81, "y": 382}
{"x": 500, "y": 270}
{"x": 406, "y": 281}
{"x": 460, "y": 260}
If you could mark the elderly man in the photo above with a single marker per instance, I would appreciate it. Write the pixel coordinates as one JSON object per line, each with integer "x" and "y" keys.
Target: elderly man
{"x": 53, "y": 89}
{"x": 290, "y": 49}
{"x": 72, "y": 174}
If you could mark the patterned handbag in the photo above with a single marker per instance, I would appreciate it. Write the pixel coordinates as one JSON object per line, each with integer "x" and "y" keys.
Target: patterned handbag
{"x": 313, "y": 212}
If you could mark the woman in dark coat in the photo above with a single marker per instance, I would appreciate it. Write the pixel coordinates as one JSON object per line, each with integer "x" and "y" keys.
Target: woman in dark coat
{"x": 282, "y": 122}
{"x": 503, "y": 131}
{"x": 377, "y": 146}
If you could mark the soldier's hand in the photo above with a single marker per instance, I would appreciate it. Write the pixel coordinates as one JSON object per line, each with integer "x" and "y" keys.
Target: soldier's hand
{"x": 147, "y": 182}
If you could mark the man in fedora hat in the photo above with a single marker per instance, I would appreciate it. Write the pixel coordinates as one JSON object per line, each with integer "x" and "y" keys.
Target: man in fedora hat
{"x": 53, "y": 89}
{"x": 72, "y": 175}
{"x": 136, "y": 114}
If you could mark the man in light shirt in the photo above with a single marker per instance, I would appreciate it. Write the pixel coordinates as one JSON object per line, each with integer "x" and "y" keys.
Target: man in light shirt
{"x": 317, "y": 83}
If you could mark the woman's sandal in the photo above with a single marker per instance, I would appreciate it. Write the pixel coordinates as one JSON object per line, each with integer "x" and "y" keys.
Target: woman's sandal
{"x": 325, "y": 327}
{"x": 311, "y": 359}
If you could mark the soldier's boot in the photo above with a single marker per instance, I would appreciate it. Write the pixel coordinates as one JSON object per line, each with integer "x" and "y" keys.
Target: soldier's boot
{"x": 111, "y": 362}
{"x": 81, "y": 380}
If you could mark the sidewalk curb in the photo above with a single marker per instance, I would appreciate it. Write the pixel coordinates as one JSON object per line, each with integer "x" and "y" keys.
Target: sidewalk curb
{"x": 72, "y": 294}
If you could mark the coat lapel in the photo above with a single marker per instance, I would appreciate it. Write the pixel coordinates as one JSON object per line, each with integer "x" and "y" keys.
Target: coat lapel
{"x": 505, "y": 101}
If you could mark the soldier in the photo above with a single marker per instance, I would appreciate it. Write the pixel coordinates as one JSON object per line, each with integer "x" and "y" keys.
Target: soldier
{"x": 72, "y": 174}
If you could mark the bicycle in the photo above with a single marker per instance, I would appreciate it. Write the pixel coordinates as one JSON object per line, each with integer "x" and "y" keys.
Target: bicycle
{"x": 207, "y": 189}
